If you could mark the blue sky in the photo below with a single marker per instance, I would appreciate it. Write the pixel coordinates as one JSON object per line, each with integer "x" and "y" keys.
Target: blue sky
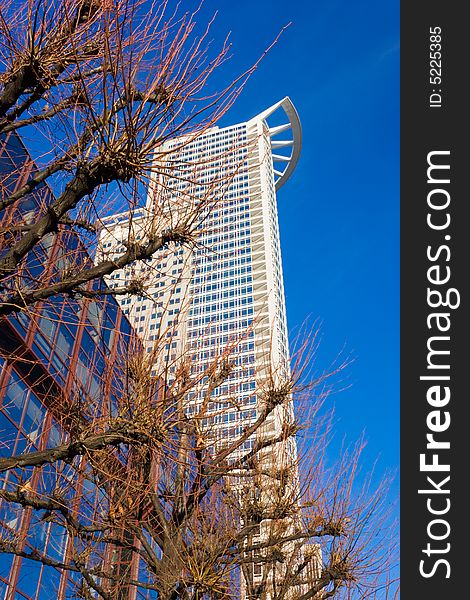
{"x": 339, "y": 213}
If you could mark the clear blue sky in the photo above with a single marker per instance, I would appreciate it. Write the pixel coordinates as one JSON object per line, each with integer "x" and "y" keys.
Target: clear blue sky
{"x": 339, "y": 213}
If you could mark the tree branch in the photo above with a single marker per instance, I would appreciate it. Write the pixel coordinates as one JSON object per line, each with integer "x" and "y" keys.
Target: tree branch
{"x": 134, "y": 252}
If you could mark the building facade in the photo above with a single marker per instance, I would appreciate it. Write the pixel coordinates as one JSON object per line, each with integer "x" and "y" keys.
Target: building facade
{"x": 224, "y": 297}
{"x": 229, "y": 287}
{"x": 218, "y": 300}
{"x": 61, "y": 351}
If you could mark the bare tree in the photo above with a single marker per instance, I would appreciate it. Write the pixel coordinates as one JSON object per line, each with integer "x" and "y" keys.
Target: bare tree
{"x": 100, "y": 86}
{"x": 148, "y": 502}
{"x": 171, "y": 511}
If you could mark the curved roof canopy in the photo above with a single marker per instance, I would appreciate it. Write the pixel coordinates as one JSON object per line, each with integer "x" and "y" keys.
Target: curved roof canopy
{"x": 290, "y": 134}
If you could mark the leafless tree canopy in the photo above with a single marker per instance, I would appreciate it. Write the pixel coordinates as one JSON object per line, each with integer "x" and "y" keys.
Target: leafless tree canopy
{"x": 200, "y": 520}
{"x": 95, "y": 87}
{"x": 99, "y": 86}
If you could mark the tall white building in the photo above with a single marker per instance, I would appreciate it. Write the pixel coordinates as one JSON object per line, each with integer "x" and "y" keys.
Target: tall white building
{"x": 230, "y": 287}
{"x": 228, "y": 290}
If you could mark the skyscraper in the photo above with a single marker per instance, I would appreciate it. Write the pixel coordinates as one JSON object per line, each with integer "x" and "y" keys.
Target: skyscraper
{"x": 230, "y": 285}
{"x": 224, "y": 297}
